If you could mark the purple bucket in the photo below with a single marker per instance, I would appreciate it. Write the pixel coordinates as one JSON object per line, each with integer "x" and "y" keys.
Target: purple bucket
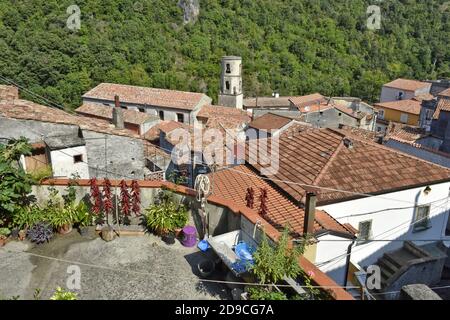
{"x": 189, "y": 236}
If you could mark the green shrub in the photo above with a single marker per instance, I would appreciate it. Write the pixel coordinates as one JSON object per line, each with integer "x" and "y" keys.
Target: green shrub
{"x": 265, "y": 294}
{"x": 61, "y": 294}
{"x": 28, "y": 216}
{"x": 42, "y": 173}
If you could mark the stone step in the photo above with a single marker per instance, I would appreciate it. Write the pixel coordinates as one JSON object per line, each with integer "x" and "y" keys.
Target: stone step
{"x": 386, "y": 264}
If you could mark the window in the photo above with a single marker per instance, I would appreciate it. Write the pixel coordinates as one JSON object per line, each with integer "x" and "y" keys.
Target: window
{"x": 400, "y": 95}
{"x": 142, "y": 110}
{"x": 379, "y": 129}
{"x": 381, "y": 114}
{"x": 227, "y": 85}
{"x": 365, "y": 231}
{"x": 340, "y": 114}
{"x": 180, "y": 117}
{"x": 78, "y": 158}
{"x": 404, "y": 118}
{"x": 161, "y": 115}
{"x": 422, "y": 218}
{"x": 228, "y": 68}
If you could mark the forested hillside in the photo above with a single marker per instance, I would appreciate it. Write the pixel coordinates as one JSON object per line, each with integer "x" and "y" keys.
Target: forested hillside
{"x": 292, "y": 46}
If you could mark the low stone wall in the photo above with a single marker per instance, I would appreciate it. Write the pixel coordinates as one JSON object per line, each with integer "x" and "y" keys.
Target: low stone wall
{"x": 224, "y": 216}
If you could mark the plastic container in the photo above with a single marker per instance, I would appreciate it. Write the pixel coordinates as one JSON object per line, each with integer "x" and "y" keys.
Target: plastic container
{"x": 189, "y": 236}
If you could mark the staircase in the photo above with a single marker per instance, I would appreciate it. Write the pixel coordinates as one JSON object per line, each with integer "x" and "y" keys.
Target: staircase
{"x": 395, "y": 264}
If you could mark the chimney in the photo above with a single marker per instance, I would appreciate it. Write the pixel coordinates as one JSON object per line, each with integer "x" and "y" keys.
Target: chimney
{"x": 117, "y": 114}
{"x": 310, "y": 213}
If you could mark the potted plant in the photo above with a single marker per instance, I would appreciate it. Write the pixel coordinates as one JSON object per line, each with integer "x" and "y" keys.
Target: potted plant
{"x": 180, "y": 220}
{"x": 83, "y": 218}
{"x": 62, "y": 219}
{"x": 4, "y": 233}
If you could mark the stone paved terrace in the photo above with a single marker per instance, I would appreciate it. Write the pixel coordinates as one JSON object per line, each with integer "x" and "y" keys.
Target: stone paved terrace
{"x": 170, "y": 269}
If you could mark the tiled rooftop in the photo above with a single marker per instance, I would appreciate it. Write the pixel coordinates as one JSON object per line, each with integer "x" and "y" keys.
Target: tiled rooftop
{"x": 445, "y": 93}
{"x": 269, "y": 121}
{"x": 402, "y": 132}
{"x": 146, "y": 96}
{"x": 219, "y": 117}
{"x": 411, "y": 106}
{"x": 27, "y": 110}
{"x": 233, "y": 183}
{"x": 104, "y": 112}
{"x": 311, "y": 99}
{"x": 267, "y": 102}
{"x": 319, "y": 157}
{"x": 443, "y": 105}
{"x": 407, "y": 85}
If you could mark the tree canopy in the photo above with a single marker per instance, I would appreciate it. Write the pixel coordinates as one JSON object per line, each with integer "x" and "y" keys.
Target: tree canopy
{"x": 293, "y": 47}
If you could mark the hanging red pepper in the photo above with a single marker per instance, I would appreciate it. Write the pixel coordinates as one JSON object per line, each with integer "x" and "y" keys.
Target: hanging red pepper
{"x": 107, "y": 196}
{"x": 96, "y": 196}
{"x": 263, "y": 202}
{"x": 136, "y": 197}
{"x": 250, "y": 198}
{"x": 124, "y": 198}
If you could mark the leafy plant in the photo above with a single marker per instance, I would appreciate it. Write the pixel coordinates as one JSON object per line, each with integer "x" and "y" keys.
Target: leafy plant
{"x": 15, "y": 184}
{"x": 40, "y": 233}
{"x": 62, "y": 217}
{"x": 274, "y": 262}
{"x": 263, "y": 293}
{"x": 165, "y": 215}
{"x": 61, "y": 294}
{"x": 82, "y": 215}
{"x": 28, "y": 216}
{"x": 42, "y": 173}
{"x": 5, "y": 232}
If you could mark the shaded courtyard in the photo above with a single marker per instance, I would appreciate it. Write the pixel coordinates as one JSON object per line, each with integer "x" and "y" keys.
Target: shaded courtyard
{"x": 138, "y": 267}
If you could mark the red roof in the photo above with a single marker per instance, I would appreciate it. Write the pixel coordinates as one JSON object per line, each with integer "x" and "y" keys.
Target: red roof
{"x": 411, "y": 106}
{"x": 445, "y": 93}
{"x": 269, "y": 121}
{"x": 333, "y": 160}
{"x": 147, "y": 96}
{"x": 443, "y": 105}
{"x": 233, "y": 184}
{"x": 407, "y": 85}
{"x": 311, "y": 99}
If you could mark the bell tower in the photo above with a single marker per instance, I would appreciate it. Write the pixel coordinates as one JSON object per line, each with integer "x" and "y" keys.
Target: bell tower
{"x": 231, "y": 94}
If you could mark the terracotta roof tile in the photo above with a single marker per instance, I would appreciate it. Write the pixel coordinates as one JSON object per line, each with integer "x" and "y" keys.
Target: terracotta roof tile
{"x": 407, "y": 85}
{"x": 445, "y": 93}
{"x": 104, "y": 112}
{"x": 319, "y": 157}
{"x": 443, "y": 105}
{"x": 146, "y": 96}
{"x": 311, "y": 99}
{"x": 233, "y": 184}
{"x": 411, "y": 106}
{"x": 27, "y": 110}
{"x": 269, "y": 121}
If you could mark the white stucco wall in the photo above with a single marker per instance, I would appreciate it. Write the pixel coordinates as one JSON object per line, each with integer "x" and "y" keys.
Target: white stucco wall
{"x": 394, "y": 223}
{"x": 391, "y": 94}
{"x": 329, "y": 247}
{"x": 63, "y": 165}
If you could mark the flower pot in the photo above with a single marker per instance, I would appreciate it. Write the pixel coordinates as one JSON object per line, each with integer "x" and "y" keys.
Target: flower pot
{"x": 65, "y": 229}
{"x": 169, "y": 238}
{"x": 22, "y": 235}
{"x": 84, "y": 231}
{"x": 2, "y": 242}
{"x": 178, "y": 232}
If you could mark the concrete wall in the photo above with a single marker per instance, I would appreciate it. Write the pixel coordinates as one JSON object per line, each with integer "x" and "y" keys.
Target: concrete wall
{"x": 63, "y": 165}
{"x": 169, "y": 113}
{"x": 391, "y": 94}
{"x": 34, "y": 130}
{"x": 420, "y": 153}
{"x": 330, "y": 118}
{"x": 392, "y": 216}
{"x": 124, "y": 156}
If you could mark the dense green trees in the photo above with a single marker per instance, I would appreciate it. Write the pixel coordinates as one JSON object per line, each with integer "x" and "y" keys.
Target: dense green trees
{"x": 295, "y": 46}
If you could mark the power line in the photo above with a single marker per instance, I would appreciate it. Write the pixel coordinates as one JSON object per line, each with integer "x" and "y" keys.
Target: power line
{"x": 158, "y": 275}
{"x": 340, "y": 257}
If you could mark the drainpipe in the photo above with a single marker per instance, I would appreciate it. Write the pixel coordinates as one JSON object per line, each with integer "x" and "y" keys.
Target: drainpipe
{"x": 347, "y": 263}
